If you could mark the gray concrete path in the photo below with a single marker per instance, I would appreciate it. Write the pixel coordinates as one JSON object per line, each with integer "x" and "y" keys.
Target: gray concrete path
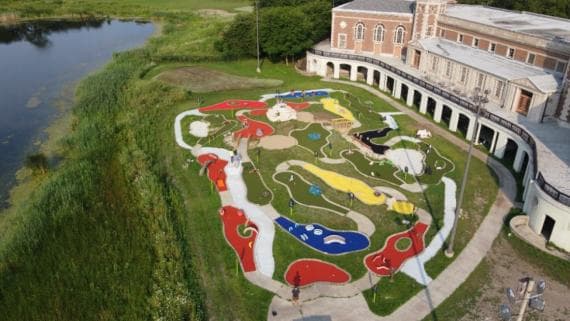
{"x": 422, "y": 304}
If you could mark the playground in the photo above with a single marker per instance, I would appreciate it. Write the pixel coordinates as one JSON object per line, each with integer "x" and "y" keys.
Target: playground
{"x": 317, "y": 188}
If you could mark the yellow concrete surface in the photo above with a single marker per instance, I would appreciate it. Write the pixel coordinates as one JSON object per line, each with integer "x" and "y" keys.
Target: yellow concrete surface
{"x": 331, "y": 104}
{"x": 403, "y": 207}
{"x": 361, "y": 190}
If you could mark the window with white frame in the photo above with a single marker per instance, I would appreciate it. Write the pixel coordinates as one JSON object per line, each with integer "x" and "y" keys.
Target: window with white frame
{"x": 464, "y": 74}
{"x": 434, "y": 62}
{"x": 448, "y": 69}
{"x": 511, "y": 53}
{"x": 560, "y": 66}
{"x": 492, "y": 47}
{"x": 460, "y": 38}
{"x": 359, "y": 31}
{"x": 530, "y": 58}
{"x": 475, "y": 42}
{"x": 342, "y": 40}
{"x": 499, "y": 88}
{"x": 379, "y": 33}
{"x": 399, "y": 35}
{"x": 481, "y": 80}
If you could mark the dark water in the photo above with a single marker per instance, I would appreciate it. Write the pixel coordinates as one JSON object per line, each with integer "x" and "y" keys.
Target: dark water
{"x": 40, "y": 63}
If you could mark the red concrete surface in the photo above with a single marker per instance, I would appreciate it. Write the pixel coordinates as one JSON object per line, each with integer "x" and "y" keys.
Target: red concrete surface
{"x": 233, "y": 218}
{"x": 389, "y": 260}
{"x": 215, "y": 170}
{"x": 305, "y": 272}
{"x": 298, "y": 106}
{"x": 250, "y": 128}
{"x": 258, "y": 112}
{"x": 235, "y": 104}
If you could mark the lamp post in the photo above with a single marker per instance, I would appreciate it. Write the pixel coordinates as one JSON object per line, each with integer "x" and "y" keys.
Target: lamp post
{"x": 480, "y": 100}
{"x": 258, "y": 69}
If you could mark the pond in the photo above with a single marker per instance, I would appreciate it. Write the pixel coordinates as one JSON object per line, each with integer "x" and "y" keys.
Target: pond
{"x": 40, "y": 64}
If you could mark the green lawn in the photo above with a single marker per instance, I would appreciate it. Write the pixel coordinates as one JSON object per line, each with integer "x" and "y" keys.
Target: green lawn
{"x": 314, "y": 145}
{"x": 256, "y": 191}
{"x": 383, "y": 171}
{"x": 300, "y": 190}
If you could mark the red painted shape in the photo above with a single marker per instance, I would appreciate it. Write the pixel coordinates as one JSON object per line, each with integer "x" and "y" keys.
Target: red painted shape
{"x": 389, "y": 260}
{"x": 298, "y": 106}
{"x": 233, "y": 218}
{"x": 258, "y": 112}
{"x": 215, "y": 170}
{"x": 252, "y": 128}
{"x": 306, "y": 271}
{"x": 234, "y": 104}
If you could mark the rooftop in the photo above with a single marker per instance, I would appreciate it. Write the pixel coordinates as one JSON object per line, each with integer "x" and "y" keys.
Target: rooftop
{"x": 386, "y": 6}
{"x": 487, "y": 62}
{"x": 541, "y": 26}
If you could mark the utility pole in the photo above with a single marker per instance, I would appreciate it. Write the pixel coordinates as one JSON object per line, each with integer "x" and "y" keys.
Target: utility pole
{"x": 479, "y": 101}
{"x": 257, "y": 34}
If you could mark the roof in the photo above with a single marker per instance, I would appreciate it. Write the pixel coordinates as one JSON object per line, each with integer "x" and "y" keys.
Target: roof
{"x": 385, "y": 6}
{"x": 496, "y": 65}
{"x": 541, "y": 26}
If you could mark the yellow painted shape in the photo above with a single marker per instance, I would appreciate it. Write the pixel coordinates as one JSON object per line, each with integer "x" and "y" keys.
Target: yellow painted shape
{"x": 403, "y": 207}
{"x": 332, "y": 105}
{"x": 361, "y": 190}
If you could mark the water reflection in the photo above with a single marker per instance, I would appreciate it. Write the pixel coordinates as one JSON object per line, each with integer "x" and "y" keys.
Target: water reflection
{"x": 39, "y": 63}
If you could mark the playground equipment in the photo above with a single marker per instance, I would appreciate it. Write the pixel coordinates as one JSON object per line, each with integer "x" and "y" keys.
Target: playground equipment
{"x": 281, "y": 112}
{"x": 305, "y": 272}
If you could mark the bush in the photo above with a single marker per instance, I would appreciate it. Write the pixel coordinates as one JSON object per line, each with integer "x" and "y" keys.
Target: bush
{"x": 38, "y": 163}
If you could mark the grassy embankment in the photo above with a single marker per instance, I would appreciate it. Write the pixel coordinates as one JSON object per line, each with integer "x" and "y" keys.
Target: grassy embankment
{"x": 105, "y": 236}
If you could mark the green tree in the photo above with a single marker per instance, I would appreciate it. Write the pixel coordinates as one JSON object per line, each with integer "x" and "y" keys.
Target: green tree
{"x": 238, "y": 40}
{"x": 285, "y": 32}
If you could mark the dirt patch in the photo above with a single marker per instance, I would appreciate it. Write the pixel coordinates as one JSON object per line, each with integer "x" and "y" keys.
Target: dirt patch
{"x": 216, "y": 13}
{"x": 203, "y": 80}
{"x": 506, "y": 268}
{"x": 305, "y": 117}
{"x": 277, "y": 142}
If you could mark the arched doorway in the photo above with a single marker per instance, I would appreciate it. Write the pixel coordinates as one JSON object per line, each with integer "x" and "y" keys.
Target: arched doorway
{"x": 389, "y": 84}
{"x": 361, "y": 73}
{"x": 376, "y": 78}
{"x": 330, "y": 70}
{"x": 404, "y": 92}
{"x": 345, "y": 71}
{"x": 417, "y": 99}
{"x": 446, "y": 113}
{"x": 486, "y": 135}
{"x": 431, "y": 107}
{"x": 463, "y": 124}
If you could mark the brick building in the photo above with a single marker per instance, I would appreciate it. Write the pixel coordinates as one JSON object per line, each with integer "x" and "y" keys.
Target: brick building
{"x": 436, "y": 55}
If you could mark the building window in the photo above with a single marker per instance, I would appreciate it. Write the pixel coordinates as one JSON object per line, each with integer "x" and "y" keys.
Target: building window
{"x": 379, "y": 33}
{"x": 511, "y": 53}
{"x": 492, "y": 47}
{"x": 448, "y": 69}
{"x": 560, "y": 66}
{"x": 499, "y": 88}
{"x": 399, "y": 35}
{"x": 530, "y": 58}
{"x": 442, "y": 33}
{"x": 359, "y": 31}
{"x": 342, "y": 40}
{"x": 475, "y": 42}
{"x": 460, "y": 38}
{"x": 429, "y": 31}
{"x": 464, "y": 74}
{"x": 434, "y": 62}
{"x": 480, "y": 80}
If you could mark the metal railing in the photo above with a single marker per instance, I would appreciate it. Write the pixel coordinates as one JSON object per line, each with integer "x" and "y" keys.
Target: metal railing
{"x": 521, "y": 132}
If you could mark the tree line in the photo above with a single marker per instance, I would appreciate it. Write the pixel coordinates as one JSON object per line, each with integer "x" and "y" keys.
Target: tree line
{"x": 289, "y": 27}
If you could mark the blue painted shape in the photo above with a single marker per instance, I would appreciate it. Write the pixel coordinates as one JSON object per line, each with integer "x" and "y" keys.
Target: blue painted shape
{"x": 314, "y": 136}
{"x": 308, "y": 93}
{"x": 323, "y": 239}
{"x": 315, "y": 190}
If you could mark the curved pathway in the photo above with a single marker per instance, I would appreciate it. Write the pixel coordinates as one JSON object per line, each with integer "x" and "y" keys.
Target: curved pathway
{"x": 423, "y": 303}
